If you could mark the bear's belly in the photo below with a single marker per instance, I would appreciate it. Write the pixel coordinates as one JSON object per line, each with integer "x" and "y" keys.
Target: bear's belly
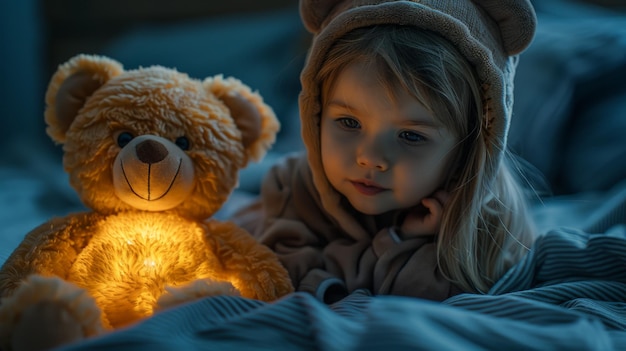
{"x": 133, "y": 256}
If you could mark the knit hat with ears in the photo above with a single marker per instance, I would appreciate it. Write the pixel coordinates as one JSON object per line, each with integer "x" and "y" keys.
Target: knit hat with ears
{"x": 489, "y": 33}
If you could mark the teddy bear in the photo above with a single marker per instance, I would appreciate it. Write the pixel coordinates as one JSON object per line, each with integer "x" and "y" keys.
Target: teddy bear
{"x": 153, "y": 154}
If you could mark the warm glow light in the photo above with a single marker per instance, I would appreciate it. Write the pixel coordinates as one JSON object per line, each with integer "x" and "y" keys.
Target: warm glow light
{"x": 133, "y": 256}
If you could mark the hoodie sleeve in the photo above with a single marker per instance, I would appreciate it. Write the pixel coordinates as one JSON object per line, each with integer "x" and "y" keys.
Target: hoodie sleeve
{"x": 408, "y": 267}
{"x": 325, "y": 262}
{"x": 388, "y": 265}
{"x": 289, "y": 220}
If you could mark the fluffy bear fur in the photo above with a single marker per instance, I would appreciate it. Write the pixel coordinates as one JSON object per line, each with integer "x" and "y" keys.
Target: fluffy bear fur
{"x": 153, "y": 154}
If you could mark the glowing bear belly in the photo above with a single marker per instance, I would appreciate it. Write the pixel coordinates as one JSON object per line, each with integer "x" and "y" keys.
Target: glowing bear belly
{"x": 133, "y": 256}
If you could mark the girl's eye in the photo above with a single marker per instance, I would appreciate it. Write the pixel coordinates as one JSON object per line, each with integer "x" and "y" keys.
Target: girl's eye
{"x": 348, "y": 123}
{"x": 182, "y": 142}
{"x": 124, "y": 138}
{"x": 412, "y": 137}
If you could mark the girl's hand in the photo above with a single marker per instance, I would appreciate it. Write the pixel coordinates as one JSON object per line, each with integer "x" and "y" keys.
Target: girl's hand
{"x": 425, "y": 219}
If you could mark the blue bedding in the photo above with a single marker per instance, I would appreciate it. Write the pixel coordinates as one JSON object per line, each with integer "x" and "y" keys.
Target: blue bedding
{"x": 569, "y": 293}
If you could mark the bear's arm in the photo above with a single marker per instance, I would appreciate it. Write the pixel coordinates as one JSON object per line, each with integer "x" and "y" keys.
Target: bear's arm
{"x": 256, "y": 270}
{"x": 49, "y": 249}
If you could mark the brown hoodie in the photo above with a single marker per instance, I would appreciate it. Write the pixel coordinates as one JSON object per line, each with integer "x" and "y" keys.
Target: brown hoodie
{"x": 330, "y": 249}
{"x": 329, "y": 261}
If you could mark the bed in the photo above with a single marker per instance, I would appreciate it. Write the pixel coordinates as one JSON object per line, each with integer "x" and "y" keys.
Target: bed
{"x": 569, "y": 293}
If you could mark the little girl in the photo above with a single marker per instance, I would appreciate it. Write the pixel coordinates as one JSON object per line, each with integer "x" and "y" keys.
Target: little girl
{"x": 405, "y": 188}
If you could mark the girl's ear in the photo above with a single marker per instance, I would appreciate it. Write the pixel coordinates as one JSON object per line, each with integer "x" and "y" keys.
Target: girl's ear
{"x": 70, "y": 87}
{"x": 255, "y": 120}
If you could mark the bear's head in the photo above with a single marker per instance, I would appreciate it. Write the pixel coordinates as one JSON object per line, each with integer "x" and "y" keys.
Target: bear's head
{"x": 153, "y": 138}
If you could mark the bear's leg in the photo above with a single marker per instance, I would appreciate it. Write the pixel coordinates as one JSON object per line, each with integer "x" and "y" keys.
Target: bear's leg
{"x": 45, "y": 325}
{"x": 56, "y": 311}
{"x": 195, "y": 290}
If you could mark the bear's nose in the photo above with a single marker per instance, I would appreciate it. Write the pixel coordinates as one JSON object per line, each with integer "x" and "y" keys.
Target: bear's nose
{"x": 150, "y": 151}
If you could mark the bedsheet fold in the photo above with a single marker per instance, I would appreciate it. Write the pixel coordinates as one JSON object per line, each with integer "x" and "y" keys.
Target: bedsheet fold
{"x": 568, "y": 293}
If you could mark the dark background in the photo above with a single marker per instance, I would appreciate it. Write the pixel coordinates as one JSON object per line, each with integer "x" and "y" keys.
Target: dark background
{"x": 570, "y": 90}
{"x": 198, "y": 37}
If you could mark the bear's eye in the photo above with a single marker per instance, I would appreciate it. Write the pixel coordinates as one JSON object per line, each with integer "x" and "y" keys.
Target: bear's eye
{"x": 182, "y": 142}
{"x": 124, "y": 138}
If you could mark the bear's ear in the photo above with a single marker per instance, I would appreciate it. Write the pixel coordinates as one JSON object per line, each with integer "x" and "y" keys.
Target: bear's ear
{"x": 256, "y": 120}
{"x": 69, "y": 88}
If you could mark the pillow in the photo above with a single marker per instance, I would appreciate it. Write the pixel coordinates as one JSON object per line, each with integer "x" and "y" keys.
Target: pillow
{"x": 570, "y": 102}
{"x": 595, "y": 157}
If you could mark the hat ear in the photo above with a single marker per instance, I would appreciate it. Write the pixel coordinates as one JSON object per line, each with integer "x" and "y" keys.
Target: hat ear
{"x": 255, "y": 120}
{"x": 70, "y": 87}
{"x": 516, "y": 19}
{"x": 315, "y": 12}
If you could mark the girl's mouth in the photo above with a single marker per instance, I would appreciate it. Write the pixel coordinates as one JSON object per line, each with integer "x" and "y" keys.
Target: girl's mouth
{"x": 367, "y": 188}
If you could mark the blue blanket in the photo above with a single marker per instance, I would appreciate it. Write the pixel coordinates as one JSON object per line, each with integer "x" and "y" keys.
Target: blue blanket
{"x": 569, "y": 293}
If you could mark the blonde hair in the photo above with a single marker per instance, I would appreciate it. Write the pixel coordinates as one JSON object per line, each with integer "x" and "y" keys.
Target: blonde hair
{"x": 485, "y": 227}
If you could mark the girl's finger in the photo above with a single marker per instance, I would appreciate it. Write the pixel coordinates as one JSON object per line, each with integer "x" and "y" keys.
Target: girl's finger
{"x": 442, "y": 196}
{"x": 432, "y": 219}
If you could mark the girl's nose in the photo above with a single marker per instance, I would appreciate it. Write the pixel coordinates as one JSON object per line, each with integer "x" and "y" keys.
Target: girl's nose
{"x": 372, "y": 155}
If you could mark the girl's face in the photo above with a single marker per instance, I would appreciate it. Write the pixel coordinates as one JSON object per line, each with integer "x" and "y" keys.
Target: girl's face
{"x": 381, "y": 153}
